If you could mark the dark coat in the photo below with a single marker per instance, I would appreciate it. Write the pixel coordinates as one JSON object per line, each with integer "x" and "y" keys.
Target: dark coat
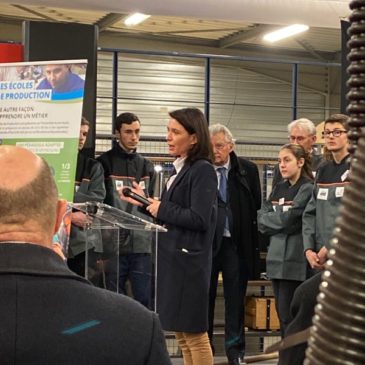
{"x": 89, "y": 186}
{"x": 120, "y": 170}
{"x": 244, "y": 193}
{"x": 49, "y": 315}
{"x": 188, "y": 210}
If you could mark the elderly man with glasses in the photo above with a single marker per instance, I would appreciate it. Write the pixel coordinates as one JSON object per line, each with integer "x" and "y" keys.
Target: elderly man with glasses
{"x": 303, "y": 132}
{"x": 235, "y": 244}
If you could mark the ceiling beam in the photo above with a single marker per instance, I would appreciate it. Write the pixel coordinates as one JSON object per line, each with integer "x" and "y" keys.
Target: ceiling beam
{"x": 109, "y": 20}
{"x": 148, "y": 36}
{"x": 37, "y": 13}
{"x": 280, "y": 53}
{"x": 193, "y": 31}
{"x": 309, "y": 48}
{"x": 243, "y": 35}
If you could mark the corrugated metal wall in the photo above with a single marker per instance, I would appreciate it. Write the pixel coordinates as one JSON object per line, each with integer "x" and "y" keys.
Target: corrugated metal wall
{"x": 253, "y": 99}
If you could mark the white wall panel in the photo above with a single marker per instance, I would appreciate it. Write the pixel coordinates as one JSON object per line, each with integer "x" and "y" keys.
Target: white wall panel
{"x": 253, "y": 100}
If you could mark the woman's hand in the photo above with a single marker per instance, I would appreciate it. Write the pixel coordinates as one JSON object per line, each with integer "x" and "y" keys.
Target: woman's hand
{"x": 136, "y": 189}
{"x": 153, "y": 207}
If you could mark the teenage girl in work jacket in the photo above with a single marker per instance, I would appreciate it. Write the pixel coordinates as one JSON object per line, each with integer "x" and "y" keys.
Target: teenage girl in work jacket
{"x": 281, "y": 219}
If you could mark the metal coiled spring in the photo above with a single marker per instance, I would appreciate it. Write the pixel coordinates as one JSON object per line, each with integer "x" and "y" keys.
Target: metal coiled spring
{"x": 338, "y": 331}
{"x": 356, "y": 70}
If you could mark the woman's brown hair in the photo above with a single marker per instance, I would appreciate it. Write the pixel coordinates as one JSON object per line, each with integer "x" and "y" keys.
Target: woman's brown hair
{"x": 193, "y": 120}
{"x": 299, "y": 152}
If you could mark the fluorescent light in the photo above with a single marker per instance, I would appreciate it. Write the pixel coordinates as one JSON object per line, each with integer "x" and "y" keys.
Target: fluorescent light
{"x": 285, "y": 32}
{"x": 135, "y": 19}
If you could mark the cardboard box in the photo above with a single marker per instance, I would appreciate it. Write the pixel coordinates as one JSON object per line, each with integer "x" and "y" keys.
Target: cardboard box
{"x": 260, "y": 313}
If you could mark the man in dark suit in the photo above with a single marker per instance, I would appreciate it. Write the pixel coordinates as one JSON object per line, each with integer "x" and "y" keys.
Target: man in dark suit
{"x": 235, "y": 246}
{"x": 49, "y": 315}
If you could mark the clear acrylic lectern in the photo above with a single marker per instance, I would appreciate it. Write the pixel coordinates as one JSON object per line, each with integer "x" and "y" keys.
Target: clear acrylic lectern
{"x": 111, "y": 223}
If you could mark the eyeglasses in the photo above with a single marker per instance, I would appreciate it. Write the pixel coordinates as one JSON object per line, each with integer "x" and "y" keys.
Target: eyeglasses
{"x": 335, "y": 133}
{"x": 220, "y": 146}
{"x": 298, "y": 139}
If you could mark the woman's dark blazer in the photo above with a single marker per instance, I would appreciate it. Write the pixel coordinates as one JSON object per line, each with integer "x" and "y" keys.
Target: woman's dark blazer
{"x": 188, "y": 210}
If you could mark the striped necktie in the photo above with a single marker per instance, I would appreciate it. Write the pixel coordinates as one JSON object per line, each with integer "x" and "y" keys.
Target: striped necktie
{"x": 222, "y": 183}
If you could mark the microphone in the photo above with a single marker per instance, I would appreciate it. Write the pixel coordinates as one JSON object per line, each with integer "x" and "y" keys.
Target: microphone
{"x": 159, "y": 182}
{"x": 130, "y": 194}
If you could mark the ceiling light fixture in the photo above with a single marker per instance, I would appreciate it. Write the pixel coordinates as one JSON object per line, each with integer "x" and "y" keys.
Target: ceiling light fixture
{"x": 135, "y": 19}
{"x": 286, "y": 32}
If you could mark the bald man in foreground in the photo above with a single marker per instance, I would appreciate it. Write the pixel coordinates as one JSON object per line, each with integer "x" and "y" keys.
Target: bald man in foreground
{"x": 48, "y": 314}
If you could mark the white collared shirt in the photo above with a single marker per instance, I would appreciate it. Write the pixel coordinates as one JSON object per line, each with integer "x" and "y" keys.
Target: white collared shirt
{"x": 178, "y": 165}
{"x": 227, "y": 165}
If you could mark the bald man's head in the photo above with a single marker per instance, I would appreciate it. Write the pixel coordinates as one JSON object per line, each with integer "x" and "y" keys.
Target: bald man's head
{"x": 19, "y": 167}
{"x": 28, "y": 193}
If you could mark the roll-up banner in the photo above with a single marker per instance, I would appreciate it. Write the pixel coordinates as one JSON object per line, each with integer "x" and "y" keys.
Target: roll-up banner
{"x": 40, "y": 109}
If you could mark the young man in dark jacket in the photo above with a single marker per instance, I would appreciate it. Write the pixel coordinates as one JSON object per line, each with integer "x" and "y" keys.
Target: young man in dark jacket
{"x": 122, "y": 166}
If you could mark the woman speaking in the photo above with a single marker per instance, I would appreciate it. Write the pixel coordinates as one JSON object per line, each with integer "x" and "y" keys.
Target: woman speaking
{"x": 188, "y": 210}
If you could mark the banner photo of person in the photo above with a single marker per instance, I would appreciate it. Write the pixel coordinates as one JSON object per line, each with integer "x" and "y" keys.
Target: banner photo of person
{"x": 40, "y": 109}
